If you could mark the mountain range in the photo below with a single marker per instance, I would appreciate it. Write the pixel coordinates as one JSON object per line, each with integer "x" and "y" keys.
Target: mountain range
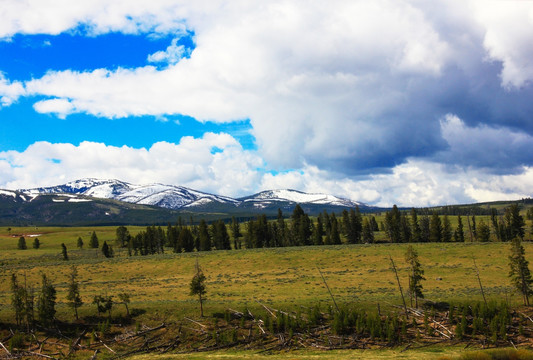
{"x": 115, "y": 201}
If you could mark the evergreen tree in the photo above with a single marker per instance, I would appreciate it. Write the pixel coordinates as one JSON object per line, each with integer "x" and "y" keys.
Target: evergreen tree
{"x": 368, "y": 231}
{"x": 46, "y": 302}
{"x": 460, "y": 230}
{"x": 79, "y": 244}
{"x": 197, "y": 287}
{"x": 204, "y": 239}
{"x": 494, "y": 221}
{"x": 405, "y": 229}
{"x": 220, "y": 235}
{"x": 73, "y": 294}
{"x": 335, "y": 236}
{"x": 300, "y": 226}
{"x": 374, "y": 223}
{"x": 435, "y": 228}
{"x": 186, "y": 240}
{"x": 425, "y": 232}
{"x": 93, "y": 243}
{"x": 519, "y": 270}
{"x": 22, "y": 243}
{"x": 122, "y": 236}
{"x": 415, "y": 275}
{"x": 446, "y": 230}
{"x": 317, "y": 233}
{"x": 415, "y": 227}
{"x": 346, "y": 226}
{"x": 357, "y": 223}
{"x": 393, "y": 224}
{"x": 107, "y": 250}
{"x": 515, "y": 223}
{"x": 474, "y": 227}
{"x": 64, "y": 251}
{"x": 483, "y": 232}
{"x": 17, "y": 299}
{"x": 236, "y": 233}
{"x": 36, "y": 243}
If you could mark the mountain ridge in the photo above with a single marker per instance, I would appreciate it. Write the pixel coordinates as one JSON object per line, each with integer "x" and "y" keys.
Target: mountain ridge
{"x": 180, "y": 197}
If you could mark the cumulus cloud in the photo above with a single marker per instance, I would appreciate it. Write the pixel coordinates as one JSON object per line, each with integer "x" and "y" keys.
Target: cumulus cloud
{"x": 508, "y": 38}
{"x": 232, "y": 171}
{"x": 500, "y": 149}
{"x": 9, "y": 91}
{"x": 342, "y": 89}
{"x": 191, "y": 162}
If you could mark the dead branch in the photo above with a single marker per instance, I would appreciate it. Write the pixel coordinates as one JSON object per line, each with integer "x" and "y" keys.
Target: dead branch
{"x": 7, "y": 351}
{"x": 196, "y": 322}
{"x": 94, "y": 355}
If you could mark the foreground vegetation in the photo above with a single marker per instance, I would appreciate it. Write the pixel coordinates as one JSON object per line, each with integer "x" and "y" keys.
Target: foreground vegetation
{"x": 322, "y": 296}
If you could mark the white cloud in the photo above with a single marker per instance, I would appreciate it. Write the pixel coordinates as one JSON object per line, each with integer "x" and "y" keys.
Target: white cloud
{"x": 189, "y": 163}
{"x": 236, "y": 172}
{"x": 61, "y": 107}
{"x": 172, "y": 55}
{"x": 483, "y": 146}
{"x": 333, "y": 89}
{"x": 9, "y": 91}
{"x": 508, "y": 38}
{"x": 416, "y": 183}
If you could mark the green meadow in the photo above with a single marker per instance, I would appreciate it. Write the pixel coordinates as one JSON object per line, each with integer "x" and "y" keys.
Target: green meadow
{"x": 280, "y": 277}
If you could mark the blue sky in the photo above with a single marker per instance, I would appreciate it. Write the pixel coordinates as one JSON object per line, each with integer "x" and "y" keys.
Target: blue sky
{"x": 389, "y": 102}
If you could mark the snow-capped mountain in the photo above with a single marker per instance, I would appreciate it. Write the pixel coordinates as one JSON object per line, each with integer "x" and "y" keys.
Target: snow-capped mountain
{"x": 271, "y": 197}
{"x": 179, "y": 197}
{"x": 166, "y": 196}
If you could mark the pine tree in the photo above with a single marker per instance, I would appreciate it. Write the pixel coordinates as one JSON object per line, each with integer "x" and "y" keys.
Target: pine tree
{"x": 46, "y": 302}
{"x": 64, "y": 251}
{"x": 317, "y": 234}
{"x": 460, "y": 230}
{"x": 17, "y": 299}
{"x": 236, "y": 233}
{"x": 197, "y": 287}
{"x": 415, "y": 227}
{"x": 204, "y": 239}
{"x": 106, "y": 250}
{"x": 22, "y": 243}
{"x": 93, "y": 243}
{"x": 435, "y": 228}
{"x": 393, "y": 224}
{"x": 73, "y": 294}
{"x": 516, "y": 222}
{"x": 79, "y": 243}
{"x": 335, "y": 236}
{"x": 519, "y": 270}
{"x": 368, "y": 232}
{"x": 415, "y": 275}
{"x": 425, "y": 232}
{"x": 36, "y": 243}
{"x": 474, "y": 227}
{"x": 483, "y": 232}
{"x": 446, "y": 230}
{"x": 122, "y": 236}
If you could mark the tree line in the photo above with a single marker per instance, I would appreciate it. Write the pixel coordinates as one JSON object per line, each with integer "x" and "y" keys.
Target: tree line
{"x": 325, "y": 229}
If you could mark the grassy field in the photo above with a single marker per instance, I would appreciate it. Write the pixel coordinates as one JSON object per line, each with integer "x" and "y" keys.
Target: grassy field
{"x": 281, "y": 277}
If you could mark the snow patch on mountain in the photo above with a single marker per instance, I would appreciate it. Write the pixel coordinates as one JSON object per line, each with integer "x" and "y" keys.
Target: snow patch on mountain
{"x": 175, "y": 197}
{"x": 166, "y": 196}
{"x": 8, "y": 193}
{"x": 299, "y": 197}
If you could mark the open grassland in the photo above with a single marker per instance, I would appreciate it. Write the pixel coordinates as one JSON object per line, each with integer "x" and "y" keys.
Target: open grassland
{"x": 280, "y": 277}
